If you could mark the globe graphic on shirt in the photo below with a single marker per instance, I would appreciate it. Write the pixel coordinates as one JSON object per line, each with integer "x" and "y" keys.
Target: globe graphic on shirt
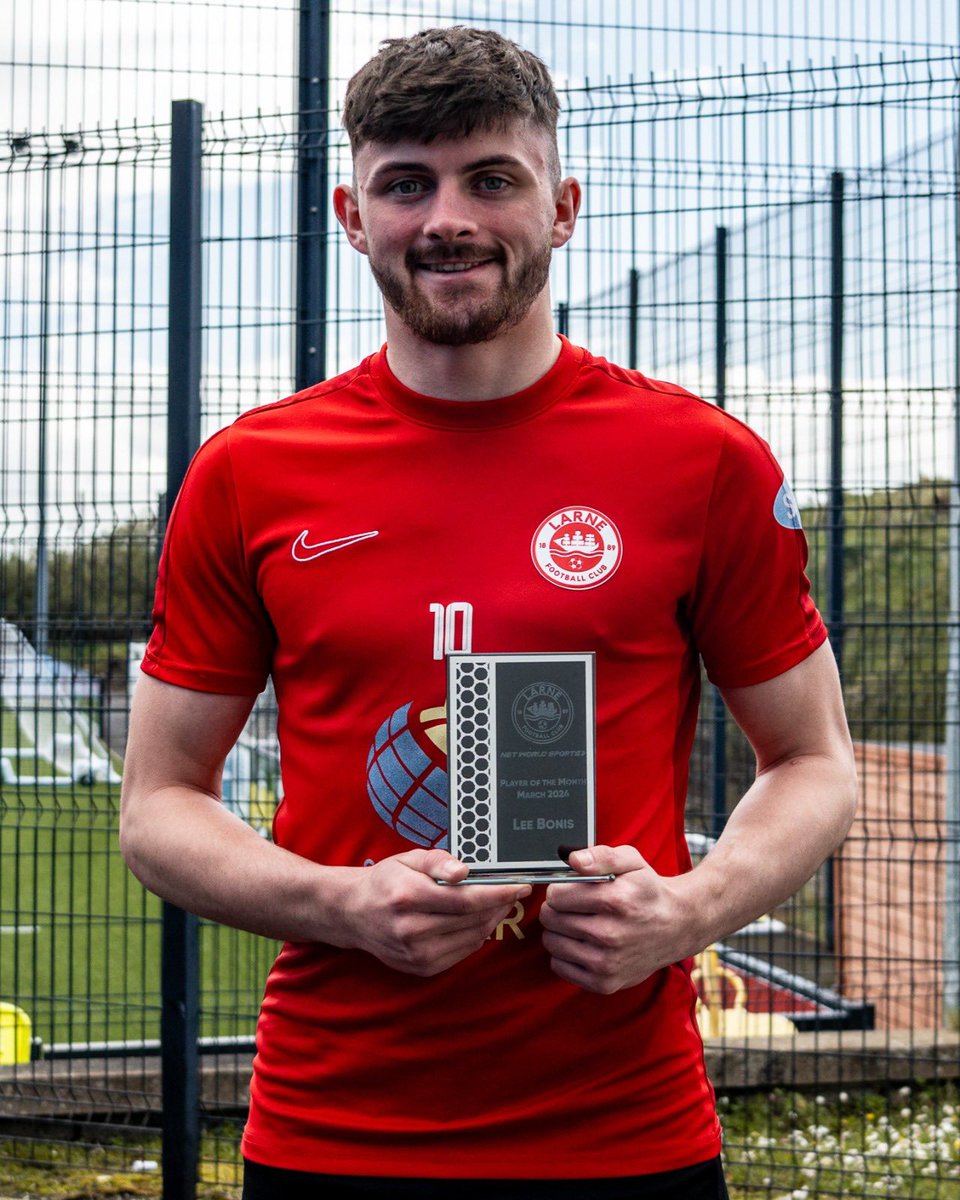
{"x": 407, "y": 779}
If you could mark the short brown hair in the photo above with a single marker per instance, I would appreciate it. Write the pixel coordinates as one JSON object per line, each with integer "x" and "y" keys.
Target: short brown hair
{"x": 448, "y": 82}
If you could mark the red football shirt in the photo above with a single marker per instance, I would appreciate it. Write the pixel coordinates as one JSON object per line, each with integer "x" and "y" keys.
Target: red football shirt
{"x": 342, "y": 540}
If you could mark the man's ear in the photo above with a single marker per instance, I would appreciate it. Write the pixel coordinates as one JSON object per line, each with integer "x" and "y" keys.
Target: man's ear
{"x": 347, "y": 209}
{"x": 565, "y": 216}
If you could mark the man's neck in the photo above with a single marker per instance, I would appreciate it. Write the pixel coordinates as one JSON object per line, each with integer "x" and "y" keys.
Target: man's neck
{"x": 510, "y": 362}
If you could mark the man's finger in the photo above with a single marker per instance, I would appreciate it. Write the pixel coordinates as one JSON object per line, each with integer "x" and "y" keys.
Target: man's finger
{"x": 581, "y": 977}
{"x": 581, "y": 927}
{"x": 447, "y": 945}
{"x": 483, "y": 921}
{"x": 571, "y": 950}
{"x": 594, "y": 897}
{"x": 470, "y": 902}
{"x": 438, "y": 864}
{"x": 607, "y": 860}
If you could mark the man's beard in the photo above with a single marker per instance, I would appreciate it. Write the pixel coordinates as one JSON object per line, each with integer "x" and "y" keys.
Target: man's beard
{"x": 463, "y": 322}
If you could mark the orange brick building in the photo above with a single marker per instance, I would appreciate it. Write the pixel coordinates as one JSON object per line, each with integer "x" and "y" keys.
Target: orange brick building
{"x": 889, "y": 888}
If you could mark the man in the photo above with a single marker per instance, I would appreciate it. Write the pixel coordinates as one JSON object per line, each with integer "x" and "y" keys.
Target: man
{"x": 522, "y": 1042}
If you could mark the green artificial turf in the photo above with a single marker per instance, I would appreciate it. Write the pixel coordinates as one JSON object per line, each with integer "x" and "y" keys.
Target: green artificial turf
{"x": 80, "y": 938}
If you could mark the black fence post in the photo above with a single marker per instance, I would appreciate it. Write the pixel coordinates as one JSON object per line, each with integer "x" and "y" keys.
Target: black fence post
{"x": 563, "y": 318}
{"x": 180, "y": 976}
{"x": 836, "y": 523}
{"x": 312, "y": 175}
{"x": 633, "y": 332}
{"x": 835, "y": 528}
{"x": 719, "y": 764}
{"x": 41, "y": 636}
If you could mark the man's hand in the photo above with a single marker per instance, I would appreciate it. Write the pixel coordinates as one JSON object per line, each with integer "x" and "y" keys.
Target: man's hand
{"x": 182, "y": 843}
{"x": 395, "y": 911}
{"x": 608, "y": 936}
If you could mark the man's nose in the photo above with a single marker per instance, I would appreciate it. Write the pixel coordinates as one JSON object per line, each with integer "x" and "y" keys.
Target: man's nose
{"x": 449, "y": 216}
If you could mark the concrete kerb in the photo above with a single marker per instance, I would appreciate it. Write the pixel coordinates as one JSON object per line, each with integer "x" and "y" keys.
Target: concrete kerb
{"x": 91, "y": 1088}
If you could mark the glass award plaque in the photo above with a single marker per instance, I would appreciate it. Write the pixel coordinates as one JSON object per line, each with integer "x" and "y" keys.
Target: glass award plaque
{"x": 522, "y": 749}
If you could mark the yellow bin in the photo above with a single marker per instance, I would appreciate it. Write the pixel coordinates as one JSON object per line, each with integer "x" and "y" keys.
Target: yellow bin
{"x": 14, "y": 1035}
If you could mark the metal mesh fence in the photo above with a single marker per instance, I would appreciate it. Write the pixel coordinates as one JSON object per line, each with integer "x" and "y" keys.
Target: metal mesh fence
{"x": 781, "y": 241}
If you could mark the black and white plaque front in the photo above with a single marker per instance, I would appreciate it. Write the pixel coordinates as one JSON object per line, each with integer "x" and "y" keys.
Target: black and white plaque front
{"x": 522, "y": 751}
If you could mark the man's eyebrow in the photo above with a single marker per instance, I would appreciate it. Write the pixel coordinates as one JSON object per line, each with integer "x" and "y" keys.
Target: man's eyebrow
{"x": 494, "y": 160}
{"x": 388, "y": 168}
{"x": 491, "y": 160}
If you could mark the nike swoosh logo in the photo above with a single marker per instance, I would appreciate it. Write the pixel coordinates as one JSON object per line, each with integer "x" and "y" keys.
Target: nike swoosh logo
{"x": 303, "y": 551}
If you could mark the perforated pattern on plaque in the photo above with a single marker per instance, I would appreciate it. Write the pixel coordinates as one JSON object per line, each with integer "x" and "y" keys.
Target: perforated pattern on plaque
{"x": 472, "y": 685}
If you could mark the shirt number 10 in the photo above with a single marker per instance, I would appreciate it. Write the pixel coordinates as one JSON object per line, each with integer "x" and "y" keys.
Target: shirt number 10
{"x": 452, "y": 628}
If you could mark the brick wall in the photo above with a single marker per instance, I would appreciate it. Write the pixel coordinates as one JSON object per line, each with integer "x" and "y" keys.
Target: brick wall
{"x": 889, "y": 888}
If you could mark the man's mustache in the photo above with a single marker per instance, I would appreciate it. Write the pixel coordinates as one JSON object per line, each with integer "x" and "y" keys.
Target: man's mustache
{"x": 452, "y": 254}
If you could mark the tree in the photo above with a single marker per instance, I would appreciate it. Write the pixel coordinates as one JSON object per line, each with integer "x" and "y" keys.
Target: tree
{"x": 100, "y": 589}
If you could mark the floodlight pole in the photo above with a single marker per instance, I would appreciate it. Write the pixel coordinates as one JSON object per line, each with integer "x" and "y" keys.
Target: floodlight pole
{"x": 180, "y": 973}
{"x": 312, "y": 192}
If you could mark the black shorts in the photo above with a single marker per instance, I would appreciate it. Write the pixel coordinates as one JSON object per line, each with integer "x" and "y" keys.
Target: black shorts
{"x": 701, "y": 1182}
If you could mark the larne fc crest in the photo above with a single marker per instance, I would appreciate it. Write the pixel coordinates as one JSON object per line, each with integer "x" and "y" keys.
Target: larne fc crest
{"x": 577, "y": 548}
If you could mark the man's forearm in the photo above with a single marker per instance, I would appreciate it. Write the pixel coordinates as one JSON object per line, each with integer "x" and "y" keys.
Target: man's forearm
{"x": 792, "y": 818}
{"x": 192, "y": 851}
{"x": 206, "y": 860}
{"x": 180, "y": 842}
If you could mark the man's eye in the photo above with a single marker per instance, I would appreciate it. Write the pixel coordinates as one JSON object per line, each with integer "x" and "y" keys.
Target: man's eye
{"x": 406, "y": 187}
{"x": 493, "y": 183}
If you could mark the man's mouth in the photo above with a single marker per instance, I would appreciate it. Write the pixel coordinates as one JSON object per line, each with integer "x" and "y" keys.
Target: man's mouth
{"x": 453, "y": 268}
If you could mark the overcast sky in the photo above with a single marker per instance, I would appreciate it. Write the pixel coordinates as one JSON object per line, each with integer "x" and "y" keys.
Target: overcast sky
{"x": 70, "y": 63}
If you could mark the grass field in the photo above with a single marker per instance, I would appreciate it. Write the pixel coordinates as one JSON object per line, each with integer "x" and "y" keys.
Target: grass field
{"x": 780, "y": 1145}
{"x": 79, "y": 937}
